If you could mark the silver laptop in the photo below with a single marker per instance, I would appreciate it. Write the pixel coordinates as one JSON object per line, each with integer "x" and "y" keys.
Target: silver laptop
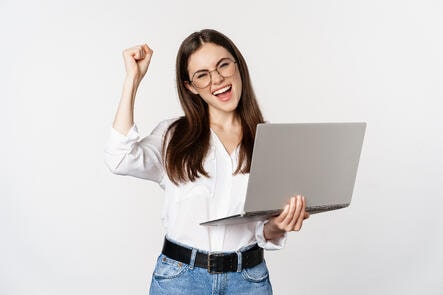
{"x": 316, "y": 160}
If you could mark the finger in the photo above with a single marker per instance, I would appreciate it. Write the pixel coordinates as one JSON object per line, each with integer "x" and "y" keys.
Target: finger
{"x": 306, "y": 213}
{"x": 147, "y": 54}
{"x": 287, "y": 221}
{"x": 147, "y": 49}
{"x": 139, "y": 53}
{"x": 299, "y": 223}
{"x": 279, "y": 219}
{"x": 129, "y": 52}
{"x": 297, "y": 212}
{"x": 130, "y": 62}
{"x": 136, "y": 52}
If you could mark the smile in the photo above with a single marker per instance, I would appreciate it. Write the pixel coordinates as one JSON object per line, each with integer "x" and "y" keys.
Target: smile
{"x": 222, "y": 90}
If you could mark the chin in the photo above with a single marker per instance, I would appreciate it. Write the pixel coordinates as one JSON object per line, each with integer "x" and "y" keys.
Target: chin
{"x": 231, "y": 108}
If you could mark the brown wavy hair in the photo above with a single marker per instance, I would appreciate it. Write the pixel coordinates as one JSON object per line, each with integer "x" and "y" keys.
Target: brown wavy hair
{"x": 187, "y": 140}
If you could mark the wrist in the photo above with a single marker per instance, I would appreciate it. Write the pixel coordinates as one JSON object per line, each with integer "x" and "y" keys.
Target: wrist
{"x": 133, "y": 80}
{"x": 271, "y": 231}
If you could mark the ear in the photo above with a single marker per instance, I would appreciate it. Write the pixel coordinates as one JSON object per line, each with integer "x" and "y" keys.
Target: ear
{"x": 191, "y": 87}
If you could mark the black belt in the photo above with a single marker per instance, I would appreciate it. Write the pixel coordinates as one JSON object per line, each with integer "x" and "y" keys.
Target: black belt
{"x": 214, "y": 262}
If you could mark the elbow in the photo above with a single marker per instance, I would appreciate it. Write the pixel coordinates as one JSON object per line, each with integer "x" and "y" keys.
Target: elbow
{"x": 114, "y": 166}
{"x": 116, "y": 170}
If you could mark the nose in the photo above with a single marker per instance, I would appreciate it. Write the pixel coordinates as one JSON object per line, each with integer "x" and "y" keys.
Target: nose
{"x": 216, "y": 78}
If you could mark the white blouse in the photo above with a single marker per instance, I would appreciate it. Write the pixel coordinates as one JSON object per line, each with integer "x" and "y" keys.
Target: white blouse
{"x": 187, "y": 205}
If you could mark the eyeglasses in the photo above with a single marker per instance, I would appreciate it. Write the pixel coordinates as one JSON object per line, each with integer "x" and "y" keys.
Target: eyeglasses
{"x": 225, "y": 68}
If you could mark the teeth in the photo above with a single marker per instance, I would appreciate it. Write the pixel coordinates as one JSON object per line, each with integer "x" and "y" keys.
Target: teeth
{"x": 224, "y": 89}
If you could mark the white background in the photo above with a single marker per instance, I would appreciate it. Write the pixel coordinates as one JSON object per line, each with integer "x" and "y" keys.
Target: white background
{"x": 68, "y": 226}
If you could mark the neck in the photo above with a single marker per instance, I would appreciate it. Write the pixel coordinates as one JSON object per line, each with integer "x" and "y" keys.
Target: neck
{"x": 224, "y": 121}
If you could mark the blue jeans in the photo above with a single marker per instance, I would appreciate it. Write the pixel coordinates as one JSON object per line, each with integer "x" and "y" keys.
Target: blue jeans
{"x": 173, "y": 277}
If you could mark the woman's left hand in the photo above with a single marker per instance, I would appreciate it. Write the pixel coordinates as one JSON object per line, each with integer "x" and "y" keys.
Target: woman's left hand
{"x": 290, "y": 219}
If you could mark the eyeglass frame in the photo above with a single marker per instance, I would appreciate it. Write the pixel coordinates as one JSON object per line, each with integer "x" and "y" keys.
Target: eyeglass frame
{"x": 214, "y": 70}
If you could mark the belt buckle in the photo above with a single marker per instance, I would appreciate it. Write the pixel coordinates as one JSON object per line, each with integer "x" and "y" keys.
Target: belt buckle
{"x": 213, "y": 268}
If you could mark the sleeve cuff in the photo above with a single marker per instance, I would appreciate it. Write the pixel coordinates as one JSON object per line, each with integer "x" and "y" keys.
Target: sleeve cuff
{"x": 275, "y": 244}
{"x": 120, "y": 139}
{"x": 119, "y": 144}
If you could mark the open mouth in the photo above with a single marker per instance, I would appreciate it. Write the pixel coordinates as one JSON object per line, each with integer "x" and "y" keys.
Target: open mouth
{"x": 222, "y": 91}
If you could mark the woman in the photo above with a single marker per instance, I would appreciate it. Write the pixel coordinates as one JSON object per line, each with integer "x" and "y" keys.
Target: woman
{"x": 202, "y": 161}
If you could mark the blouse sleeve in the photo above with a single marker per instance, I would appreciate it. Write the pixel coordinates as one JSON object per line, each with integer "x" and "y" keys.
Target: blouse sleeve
{"x": 276, "y": 244}
{"x": 128, "y": 155}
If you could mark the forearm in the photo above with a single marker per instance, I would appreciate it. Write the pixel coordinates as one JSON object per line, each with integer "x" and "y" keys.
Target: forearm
{"x": 124, "y": 117}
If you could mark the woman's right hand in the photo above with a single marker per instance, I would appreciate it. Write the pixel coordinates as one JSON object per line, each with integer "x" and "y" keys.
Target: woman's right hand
{"x": 137, "y": 61}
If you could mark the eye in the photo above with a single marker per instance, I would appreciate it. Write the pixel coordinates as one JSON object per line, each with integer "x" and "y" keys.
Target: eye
{"x": 201, "y": 75}
{"x": 224, "y": 64}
